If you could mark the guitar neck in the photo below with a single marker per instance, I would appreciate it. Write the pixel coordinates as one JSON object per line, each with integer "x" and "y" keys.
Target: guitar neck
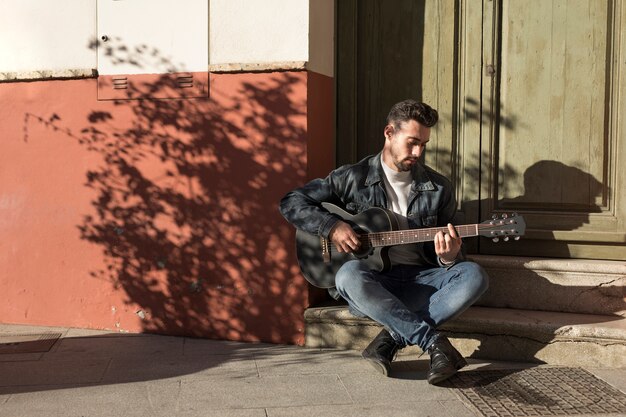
{"x": 401, "y": 237}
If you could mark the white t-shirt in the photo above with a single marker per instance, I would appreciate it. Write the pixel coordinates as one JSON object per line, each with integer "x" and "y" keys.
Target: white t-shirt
{"x": 398, "y": 187}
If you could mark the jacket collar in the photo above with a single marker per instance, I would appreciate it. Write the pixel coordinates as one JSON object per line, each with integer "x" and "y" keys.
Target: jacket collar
{"x": 421, "y": 180}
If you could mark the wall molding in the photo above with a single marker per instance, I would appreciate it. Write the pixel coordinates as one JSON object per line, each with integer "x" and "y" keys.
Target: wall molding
{"x": 259, "y": 67}
{"x": 77, "y": 73}
{"x": 48, "y": 74}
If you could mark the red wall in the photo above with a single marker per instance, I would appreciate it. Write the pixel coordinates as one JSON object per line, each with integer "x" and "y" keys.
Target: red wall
{"x": 321, "y": 140}
{"x": 321, "y": 125}
{"x": 153, "y": 215}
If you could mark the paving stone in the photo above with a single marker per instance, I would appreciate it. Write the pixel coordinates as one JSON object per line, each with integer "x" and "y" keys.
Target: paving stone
{"x": 308, "y": 361}
{"x": 146, "y": 375}
{"x": 28, "y": 329}
{"x": 193, "y": 347}
{"x": 374, "y": 388}
{"x": 18, "y": 343}
{"x": 72, "y": 372}
{"x": 20, "y": 357}
{"x": 404, "y": 409}
{"x": 116, "y": 345}
{"x": 177, "y": 367}
{"x": 225, "y": 412}
{"x": 269, "y": 391}
{"x": 72, "y": 332}
{"x": 93, "y": 401}
{"x": 163, "y": 396}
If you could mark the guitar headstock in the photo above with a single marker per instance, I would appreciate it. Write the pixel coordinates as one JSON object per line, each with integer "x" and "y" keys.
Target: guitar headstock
{"x": 505, "y": 227}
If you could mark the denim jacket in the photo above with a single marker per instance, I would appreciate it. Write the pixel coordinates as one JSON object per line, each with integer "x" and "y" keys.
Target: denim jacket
{"x": 360, "y": 186}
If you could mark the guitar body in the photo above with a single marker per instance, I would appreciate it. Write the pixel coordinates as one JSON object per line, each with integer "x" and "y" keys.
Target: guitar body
{"x": 309, "y": 247}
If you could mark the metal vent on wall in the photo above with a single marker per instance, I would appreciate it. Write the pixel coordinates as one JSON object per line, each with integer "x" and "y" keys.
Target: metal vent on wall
{"x": 120, "y": 83}
{"x": 185, "y": 81}
{"x": 154, "y": 86}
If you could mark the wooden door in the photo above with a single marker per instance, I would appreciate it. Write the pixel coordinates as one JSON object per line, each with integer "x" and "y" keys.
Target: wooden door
{"x": 379, "y": 62}
{"x": 552, "y": 134}
{"x": 531, "y": 95}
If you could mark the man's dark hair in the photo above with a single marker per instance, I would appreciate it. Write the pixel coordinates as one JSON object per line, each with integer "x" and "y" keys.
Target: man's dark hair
{"x": 412, "y": 110}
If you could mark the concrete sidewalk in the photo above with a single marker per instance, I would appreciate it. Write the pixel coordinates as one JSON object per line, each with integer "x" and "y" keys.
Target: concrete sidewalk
{"x": 90, "y": 373}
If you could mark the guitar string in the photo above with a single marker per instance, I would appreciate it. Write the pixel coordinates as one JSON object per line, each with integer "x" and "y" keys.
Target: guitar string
{"x": 427, "y": 232}
{"x": 368, "y": 239}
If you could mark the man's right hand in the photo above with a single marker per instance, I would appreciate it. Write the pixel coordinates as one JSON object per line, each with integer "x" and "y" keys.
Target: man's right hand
{"x": 344, "y": 237}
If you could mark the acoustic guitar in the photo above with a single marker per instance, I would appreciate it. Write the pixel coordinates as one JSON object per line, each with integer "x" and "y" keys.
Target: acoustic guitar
{"x": 378, "y": 230}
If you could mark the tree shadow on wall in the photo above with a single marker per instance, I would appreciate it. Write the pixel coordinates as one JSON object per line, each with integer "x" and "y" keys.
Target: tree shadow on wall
{"x": 554, "y": 196}
{"x": 185, "y": 211}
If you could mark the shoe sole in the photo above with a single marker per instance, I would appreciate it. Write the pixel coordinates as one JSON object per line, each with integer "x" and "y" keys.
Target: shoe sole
{"x": 379, "y": 366}
{"x": 440, "y": 377}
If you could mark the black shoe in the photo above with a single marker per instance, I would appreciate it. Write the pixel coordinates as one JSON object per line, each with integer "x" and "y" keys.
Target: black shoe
{"x": 445, "y": 360}
{"x": 381, "y": 352}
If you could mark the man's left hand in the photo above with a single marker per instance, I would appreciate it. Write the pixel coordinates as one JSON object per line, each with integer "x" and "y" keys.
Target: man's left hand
{"x": 447, "y": 245}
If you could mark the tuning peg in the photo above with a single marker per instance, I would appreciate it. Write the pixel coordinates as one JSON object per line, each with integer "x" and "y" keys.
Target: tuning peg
{"x": 516, "y": 237}
{"x": 514, "y": 214}
{"x": 494, "y": 216}
{"x": 496, "y": 239}
{"x": 504, "y": 215}
{"x": 506, "y": 238}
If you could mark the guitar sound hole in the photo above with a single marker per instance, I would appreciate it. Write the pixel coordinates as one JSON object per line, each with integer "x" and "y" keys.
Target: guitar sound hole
{"x": 364, "y": 251}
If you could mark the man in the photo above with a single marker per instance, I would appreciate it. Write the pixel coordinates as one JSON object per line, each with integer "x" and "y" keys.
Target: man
{"x": 428, "y": 283}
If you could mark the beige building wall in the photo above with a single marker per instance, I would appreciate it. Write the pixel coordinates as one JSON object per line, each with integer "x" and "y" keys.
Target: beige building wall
{"x": 58, "y": 38}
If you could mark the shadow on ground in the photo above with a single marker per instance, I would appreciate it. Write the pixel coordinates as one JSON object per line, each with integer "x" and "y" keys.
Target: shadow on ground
{"x": 110, "y": 359}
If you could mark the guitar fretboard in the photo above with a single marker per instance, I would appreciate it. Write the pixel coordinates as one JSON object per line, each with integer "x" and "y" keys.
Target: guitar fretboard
{"x": 401, "y": 237}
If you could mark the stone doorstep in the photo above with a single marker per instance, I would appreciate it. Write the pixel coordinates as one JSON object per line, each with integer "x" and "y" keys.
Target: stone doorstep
{"x": 565, "y": 285}
{"x": 566, "y": 339}
{"x": 589, "y": 266}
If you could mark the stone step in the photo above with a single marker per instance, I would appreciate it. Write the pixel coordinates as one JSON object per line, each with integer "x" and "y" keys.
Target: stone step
{"x": 563, "y": 285}
{"x": 555, "y": 338}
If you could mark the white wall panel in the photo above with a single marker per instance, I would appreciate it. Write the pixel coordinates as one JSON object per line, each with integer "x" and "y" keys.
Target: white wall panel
{"x": 152, "y": 36}
{"x": 245, "y": 31}
{"x": 47, "y": 35}
{"x": 57, "y": 37}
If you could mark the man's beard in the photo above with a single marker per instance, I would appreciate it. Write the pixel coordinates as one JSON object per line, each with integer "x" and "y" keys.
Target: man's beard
{"x": 405, "y": 165}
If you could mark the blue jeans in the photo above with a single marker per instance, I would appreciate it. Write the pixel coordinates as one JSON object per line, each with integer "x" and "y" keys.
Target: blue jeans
{"x": 411, "y": 301}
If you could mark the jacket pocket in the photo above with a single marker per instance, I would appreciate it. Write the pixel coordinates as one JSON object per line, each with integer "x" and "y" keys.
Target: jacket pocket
{"x": 429, "y": 220}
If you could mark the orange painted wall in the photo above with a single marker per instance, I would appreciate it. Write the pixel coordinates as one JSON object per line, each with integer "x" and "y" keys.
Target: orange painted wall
{"x": 321, "y": 140}
{"x": 321, "y": 125}
{"x": 153, "y": 215}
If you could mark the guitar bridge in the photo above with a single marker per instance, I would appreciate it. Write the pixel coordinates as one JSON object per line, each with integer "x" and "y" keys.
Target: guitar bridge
{"x": 325, "y": 244}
